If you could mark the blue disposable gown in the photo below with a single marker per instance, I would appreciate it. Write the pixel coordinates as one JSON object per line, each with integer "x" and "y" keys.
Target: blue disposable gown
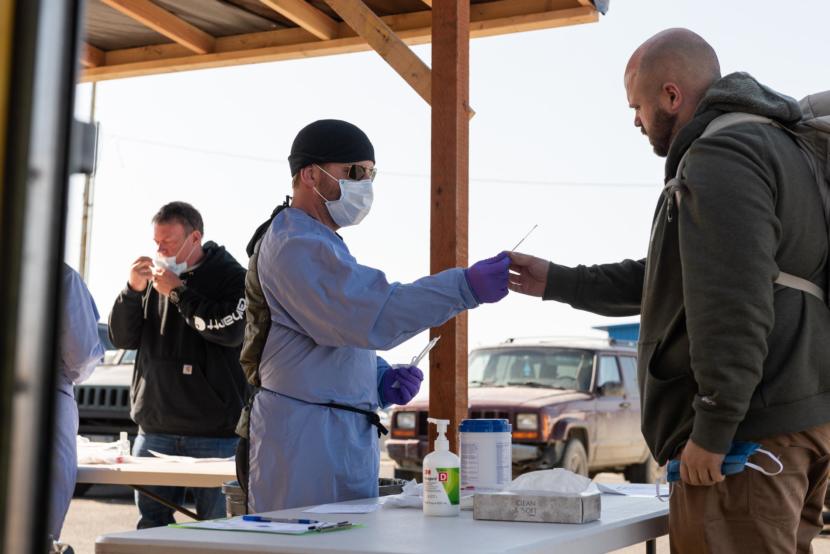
{"x": 328, "y": 316}
{"x": 80, "y": 351}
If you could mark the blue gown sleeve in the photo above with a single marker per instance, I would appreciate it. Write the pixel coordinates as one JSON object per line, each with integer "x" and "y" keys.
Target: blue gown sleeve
{"x": 383, "y": 367}
{"x": 339, "y": 302}
{"x": 80, "y": 348}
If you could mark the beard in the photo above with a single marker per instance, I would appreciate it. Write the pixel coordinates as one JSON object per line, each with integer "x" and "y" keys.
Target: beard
{"x": 660, "y": 132}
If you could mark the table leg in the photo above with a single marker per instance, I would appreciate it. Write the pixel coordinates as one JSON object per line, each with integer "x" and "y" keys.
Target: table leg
{"x": 166, "y": 502}
{"x": 651, "y": 546}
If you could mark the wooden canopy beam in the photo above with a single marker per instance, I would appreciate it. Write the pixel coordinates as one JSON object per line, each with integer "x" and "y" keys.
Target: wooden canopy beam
{"x": 91, "y": 56}
{"x": 449, "y": 203}
{"x": 306, "y": 16}
{"x": 168, "y": 24}
{"x": 489, "y": 19}
{"x": 385, "y": 42}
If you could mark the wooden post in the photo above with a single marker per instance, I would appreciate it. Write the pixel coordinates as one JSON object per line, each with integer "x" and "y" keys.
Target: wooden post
{"x": 449, "y": 202}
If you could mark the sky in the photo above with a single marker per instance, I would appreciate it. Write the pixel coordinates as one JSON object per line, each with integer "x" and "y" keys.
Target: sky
{"x": 552, "y": 143}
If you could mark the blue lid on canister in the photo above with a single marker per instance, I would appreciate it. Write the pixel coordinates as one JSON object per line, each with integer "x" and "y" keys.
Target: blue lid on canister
{"x": 485, "y": 426}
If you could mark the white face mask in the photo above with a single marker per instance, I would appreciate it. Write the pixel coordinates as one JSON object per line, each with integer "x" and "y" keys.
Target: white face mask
{"x": 354, "y": 203}
{"x": 169, "y": 262}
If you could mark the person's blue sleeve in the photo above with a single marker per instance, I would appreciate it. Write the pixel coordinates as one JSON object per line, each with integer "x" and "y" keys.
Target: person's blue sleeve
{"x": 339, "y": 302}
{"x": 383, "y": 367}
{"x": 80, "y": 347}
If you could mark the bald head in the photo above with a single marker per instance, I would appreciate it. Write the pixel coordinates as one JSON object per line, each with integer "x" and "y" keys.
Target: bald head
{"x": 675, "y": 55}
{"x": 665, "y": 79}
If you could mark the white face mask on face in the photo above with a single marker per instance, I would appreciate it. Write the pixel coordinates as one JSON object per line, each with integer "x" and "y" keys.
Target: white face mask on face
{"x": 354, "y": 203}
{"x": 169, "y": 262}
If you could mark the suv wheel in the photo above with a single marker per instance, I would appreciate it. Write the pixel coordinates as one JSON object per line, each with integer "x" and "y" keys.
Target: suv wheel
{"x": 574, "y": 458}
{"x": 80, "y": 489}
{"x": 408, "y": 474}
{"x": 646, "y": 472}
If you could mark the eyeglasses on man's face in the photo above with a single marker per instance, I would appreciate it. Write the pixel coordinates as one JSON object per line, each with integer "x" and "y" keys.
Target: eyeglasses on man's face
{"x": 359, "y": 172}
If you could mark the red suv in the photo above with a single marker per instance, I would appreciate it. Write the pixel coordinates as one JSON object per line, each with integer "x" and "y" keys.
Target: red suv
{"x": 572, "y": 403}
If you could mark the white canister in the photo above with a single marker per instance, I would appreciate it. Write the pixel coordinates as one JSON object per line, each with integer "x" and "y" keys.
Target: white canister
{"x": 486, "y": 457}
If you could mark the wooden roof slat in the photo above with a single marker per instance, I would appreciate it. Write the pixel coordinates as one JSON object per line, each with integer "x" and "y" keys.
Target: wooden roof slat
{"x": 386, "y": 43}
{"x": 486, "y": 19}
{"x": 166, "y": 23}
{"x": 306, "y": 16}
{"x": 91, "y": 56}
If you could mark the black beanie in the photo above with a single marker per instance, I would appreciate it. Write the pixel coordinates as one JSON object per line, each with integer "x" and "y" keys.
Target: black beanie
{"x": 329, "y": 140}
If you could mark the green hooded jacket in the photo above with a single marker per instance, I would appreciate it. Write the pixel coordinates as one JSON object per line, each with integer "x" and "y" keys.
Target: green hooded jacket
{"x": 724, "y": 353}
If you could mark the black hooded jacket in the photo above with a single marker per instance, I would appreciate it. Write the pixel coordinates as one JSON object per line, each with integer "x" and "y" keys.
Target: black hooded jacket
{"x": 187, "y": 378}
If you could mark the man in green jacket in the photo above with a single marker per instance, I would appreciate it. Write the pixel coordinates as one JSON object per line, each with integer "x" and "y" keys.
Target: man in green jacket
{"x": 725, "y": 353}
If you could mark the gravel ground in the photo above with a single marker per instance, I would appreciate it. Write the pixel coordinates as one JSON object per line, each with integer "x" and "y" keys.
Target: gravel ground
{"x": 108, "y": 509}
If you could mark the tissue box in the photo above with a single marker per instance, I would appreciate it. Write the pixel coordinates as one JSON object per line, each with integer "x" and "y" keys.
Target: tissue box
{"x": 542, "y": 507}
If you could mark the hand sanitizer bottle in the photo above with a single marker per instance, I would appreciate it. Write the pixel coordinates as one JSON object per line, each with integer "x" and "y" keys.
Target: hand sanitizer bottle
{"x": 123, "y": 445}
{"x": 441, "y": 476}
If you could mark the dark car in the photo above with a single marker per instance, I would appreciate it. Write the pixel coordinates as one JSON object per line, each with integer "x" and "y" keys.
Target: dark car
{"x": 572, "y": 404}
{"x": 104, "y": 399}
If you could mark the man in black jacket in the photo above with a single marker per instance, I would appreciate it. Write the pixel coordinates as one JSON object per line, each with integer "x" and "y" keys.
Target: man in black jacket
{"x": 728, "y": 352}
{"x": 184, "y": 312}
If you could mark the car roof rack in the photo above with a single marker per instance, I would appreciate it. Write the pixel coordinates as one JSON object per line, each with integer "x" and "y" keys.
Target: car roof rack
{"x": 568, "y": 341}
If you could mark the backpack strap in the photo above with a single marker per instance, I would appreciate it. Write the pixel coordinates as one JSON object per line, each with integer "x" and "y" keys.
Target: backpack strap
{"x": 791, "y": 281}
{"x": 672, "y": 189}
{"x": 718, "y": 124}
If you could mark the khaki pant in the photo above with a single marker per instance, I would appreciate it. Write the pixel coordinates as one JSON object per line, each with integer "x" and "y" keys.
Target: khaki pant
{"x": 752, "y": 513}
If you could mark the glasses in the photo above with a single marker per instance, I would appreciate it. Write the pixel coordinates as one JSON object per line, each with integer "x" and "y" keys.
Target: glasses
{"x": 360, "y": 172}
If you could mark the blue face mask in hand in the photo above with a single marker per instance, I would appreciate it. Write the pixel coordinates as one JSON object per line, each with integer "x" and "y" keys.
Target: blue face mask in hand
{"x": 734, "y": 462}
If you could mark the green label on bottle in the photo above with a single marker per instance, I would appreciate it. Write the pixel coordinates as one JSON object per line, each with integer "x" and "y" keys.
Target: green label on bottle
{"x": 449, "y": 478}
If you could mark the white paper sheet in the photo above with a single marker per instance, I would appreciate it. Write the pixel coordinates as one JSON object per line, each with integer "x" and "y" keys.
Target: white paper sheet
{"x": 188, "y": 459}
{"x": 343, "y": 509}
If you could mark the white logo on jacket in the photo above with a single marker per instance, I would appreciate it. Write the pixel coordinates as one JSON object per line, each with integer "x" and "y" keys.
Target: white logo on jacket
{"x": 227, "y": 321}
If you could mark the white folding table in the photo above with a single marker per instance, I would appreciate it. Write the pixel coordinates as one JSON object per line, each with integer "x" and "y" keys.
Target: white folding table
{"x": 624, "y": 521}
{"x": 159, "y": 472}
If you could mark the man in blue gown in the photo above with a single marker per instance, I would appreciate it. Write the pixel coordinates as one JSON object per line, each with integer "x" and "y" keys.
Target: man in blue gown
{"x": 79, "y": 351}
{"x": 312, "y": 438}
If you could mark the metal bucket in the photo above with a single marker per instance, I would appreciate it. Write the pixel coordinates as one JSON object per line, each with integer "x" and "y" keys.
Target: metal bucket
{"x": 234, "y": 498}
{"x": 390, "y": 486}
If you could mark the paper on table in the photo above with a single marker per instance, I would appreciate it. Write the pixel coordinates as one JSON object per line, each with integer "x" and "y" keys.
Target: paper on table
{"x": 188, "y": 459}
{"x": 91, "y": 452}
{"x": 642, "y": 490}
{"x": 238, "y": 524}
{"x": 343, "y": 509}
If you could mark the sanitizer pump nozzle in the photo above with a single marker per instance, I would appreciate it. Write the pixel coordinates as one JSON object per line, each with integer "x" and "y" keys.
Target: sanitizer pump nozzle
{"x": 441, "y": 442}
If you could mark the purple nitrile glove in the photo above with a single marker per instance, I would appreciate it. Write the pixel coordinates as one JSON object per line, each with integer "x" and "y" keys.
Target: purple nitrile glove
{"x": 400, "y": 384}
{"x": 488, "y": 278}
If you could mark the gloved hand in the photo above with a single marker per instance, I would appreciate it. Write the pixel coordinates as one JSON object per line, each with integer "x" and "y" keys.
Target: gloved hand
{"x": 488, "y": 278}
{"x": 400, "y": 384}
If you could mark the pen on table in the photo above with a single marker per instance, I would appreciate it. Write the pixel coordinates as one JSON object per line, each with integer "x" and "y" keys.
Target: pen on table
{"x": 278, "y": 520}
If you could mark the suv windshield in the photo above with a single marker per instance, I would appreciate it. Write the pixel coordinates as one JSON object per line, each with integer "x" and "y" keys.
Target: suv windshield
{"x": 555, "y": 368}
